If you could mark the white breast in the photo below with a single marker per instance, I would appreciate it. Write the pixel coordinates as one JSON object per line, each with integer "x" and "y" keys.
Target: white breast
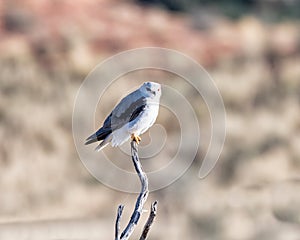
{"x": 138, "y": 126}
{"x": 146, "y": 119}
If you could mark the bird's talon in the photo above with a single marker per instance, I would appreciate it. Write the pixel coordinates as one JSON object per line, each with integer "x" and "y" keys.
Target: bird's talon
{"x": 136, "y": 138}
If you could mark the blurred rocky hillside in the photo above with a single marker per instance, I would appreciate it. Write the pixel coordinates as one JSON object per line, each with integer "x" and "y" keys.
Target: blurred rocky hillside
{"x": 46, "y": 50}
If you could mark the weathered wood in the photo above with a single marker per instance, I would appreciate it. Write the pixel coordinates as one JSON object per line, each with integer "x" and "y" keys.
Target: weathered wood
{"x": 150, "y": 220}
{"x": 139, "y": 202}
{"x": 117, "y": 227}
{"x": 142, "y": 196}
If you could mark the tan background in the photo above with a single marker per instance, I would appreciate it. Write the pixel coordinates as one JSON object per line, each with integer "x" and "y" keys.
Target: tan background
{"x": 46, "y": 50}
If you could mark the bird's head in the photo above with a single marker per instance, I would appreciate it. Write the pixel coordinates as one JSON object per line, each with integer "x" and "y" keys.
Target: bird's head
{"x": 151, "y": 89}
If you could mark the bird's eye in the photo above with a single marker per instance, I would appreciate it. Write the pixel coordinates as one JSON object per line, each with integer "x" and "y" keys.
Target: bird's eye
{"x": 148, "y": 89}
{"x": 158, "y": 90}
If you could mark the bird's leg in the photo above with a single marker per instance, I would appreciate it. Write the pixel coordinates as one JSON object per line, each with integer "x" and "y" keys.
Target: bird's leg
{"x": 135, "y": 138}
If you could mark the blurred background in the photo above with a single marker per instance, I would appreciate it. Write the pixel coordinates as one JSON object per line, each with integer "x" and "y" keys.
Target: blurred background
{"x": 250, "y": 48}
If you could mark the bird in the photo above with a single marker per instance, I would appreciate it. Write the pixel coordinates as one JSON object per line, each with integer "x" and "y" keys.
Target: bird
{"x": 130, "y": 118}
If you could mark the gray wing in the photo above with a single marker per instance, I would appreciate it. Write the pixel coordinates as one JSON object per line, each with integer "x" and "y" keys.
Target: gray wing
{"x": 126, "y": 111}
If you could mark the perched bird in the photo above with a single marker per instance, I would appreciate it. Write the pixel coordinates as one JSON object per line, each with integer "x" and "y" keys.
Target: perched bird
{"x": 132, "y": 116}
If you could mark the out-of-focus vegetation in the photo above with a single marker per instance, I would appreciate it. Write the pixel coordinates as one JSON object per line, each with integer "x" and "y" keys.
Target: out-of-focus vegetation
{"x": 270, "y": 10}
{"x": 46, "y": 50}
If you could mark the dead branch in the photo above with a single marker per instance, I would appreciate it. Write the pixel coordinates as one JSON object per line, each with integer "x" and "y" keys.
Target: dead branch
{"x": 149, "y": 222}
{"x": 139, "y": 202}
{"x": 117, "y": 227}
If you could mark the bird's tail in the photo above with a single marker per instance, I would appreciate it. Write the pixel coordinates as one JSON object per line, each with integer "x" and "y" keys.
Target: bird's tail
{"x": 104, "y": 143}
{"x": 91, "y": 139}
{"x": 101, "y": 134}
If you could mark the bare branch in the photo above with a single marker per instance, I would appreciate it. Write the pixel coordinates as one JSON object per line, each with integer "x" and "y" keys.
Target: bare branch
{"x": 142, "y": 196}
{"x": 139, "y": 202}
{"x": 117, "y": 227}
{"x": 149, "y": 222}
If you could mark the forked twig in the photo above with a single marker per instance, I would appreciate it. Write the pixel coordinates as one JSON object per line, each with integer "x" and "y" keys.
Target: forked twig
{"x": 139, "y": 202}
